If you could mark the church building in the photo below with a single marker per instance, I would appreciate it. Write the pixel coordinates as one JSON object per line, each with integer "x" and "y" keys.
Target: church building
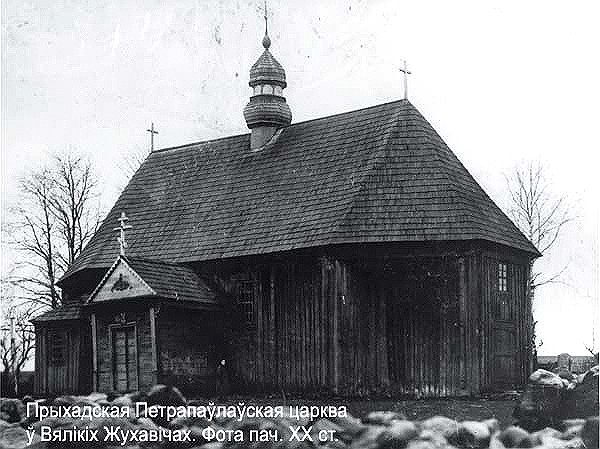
{"x": 348, "y": 255}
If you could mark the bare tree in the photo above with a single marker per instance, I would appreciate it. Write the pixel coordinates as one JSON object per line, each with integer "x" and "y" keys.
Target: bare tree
{"x": 538, "y": 213}
{"x": 17, "y": 341}
{"x": 57, "y": 214}
{"x": 131, "y": 161}
{"x": 541, "y": 215}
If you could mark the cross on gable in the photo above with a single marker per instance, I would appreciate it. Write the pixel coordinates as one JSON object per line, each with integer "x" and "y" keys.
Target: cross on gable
{"x": 122, "y": 228}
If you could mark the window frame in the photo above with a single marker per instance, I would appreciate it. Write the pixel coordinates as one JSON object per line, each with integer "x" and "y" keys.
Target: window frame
{"x": 246, "y": 300}
{"x": 502, "y": 277}
{"x": 57, "y": 347}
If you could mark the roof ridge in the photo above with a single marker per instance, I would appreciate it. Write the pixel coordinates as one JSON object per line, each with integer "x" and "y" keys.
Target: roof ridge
{"x": 379, "y": 105}
{"x": 201, "y": 142}
{"x": 352, "y": 111}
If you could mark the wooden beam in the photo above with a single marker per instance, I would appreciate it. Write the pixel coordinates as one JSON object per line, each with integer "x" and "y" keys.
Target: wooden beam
{"x": 153, "y": 342}
{"x": 94, "y": 351}
{"x": 464, "y": 349}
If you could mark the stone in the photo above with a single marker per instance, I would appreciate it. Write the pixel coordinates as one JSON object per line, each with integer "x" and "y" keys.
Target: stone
{"x": 15, "y": 437}
{"x": 323, "y": 424}
{"x": 397, "y": 435}
{"x": 383, "y": 418}
{"x": 213, "y": 445}
{"x": 512, "y": 436}
{"x": 546, "y": 437}
{"x": 350, "y": 427}
{"x": 589, "y": 434}
{"x": 543, "y": 377}
{"x": 422, "y": 444}
{"x": 124, "y": 400}
{"x": 446, "y": 427}
{"x": 472, "y": 434}
{"x": 492, "y": 424}
{"x": 165, "y": 395}
{"x": 65, "y": 400}
{"x": 11, "y": 410}
{"x": 337, "y": 444}
{"x": 582, "y": 401}
{"x": 96, "y": 397}
{"x": 573, "y": 430}
{"x": 539, "y": 407}
{"x": 430, "y": 438}
{"x": 368, "y": 439}
{"x": 565, "y": 374}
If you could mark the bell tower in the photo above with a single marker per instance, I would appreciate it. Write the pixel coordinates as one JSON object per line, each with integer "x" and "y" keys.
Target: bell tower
{"x": 267, "y": 110}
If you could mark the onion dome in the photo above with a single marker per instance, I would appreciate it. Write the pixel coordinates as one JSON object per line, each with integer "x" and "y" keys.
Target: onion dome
{"x": 267, "y": 106}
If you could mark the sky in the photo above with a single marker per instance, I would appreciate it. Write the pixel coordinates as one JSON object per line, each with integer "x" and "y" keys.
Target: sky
{"x": 504, "y": 83}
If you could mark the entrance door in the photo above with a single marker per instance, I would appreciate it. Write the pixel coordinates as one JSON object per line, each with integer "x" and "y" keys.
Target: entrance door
{"x": 504, "y": 328}
{"x": 125, "y": 366}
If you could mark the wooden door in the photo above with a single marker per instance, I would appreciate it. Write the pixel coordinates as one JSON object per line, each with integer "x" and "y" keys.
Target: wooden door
{"x": 125, "y": 366}
{"x": 504, "y": 373}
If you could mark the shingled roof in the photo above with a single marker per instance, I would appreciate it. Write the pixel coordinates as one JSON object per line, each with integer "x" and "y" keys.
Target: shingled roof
{"x": 164, "y": 280}
{"x": 64, "y": 312}
{"x": 380, "y": 174}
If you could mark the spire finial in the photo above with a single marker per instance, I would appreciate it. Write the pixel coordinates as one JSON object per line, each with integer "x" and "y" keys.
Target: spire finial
{"x": 266, "y": 40}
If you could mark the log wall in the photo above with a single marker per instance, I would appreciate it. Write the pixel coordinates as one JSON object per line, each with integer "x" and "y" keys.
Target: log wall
{"x": 188, "y": 349}
{"x": 70, "y": 375}
{"x": 420, "y": 326}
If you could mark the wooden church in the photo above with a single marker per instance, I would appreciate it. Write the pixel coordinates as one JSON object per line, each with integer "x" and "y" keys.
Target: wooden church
{"x": 351, "y": 255}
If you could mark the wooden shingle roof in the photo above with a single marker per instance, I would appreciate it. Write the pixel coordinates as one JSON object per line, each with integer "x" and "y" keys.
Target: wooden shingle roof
{"x": 171, "y": 281}
{"x": 156, "y": 279}
{"x": 380, "y": 174}
{"x": 64, "y": 312}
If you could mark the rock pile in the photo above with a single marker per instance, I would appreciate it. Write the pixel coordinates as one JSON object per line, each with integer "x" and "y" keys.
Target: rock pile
{"x": 551, "y": 398}
{"x": 377, "y": 430}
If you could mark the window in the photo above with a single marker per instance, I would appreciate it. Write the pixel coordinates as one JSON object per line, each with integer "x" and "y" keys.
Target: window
{"x": 57, "y": 347}
{"x": 267, "y": 89}
{"x": 502, "y": 277}
{"x": 256, "y": 90}
{"x": 246, "y": 300}
{"x": 278, "y": 91}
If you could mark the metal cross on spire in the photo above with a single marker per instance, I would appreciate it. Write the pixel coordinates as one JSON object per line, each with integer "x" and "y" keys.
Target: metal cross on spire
{"x": 152, "y": 131}
{"x": 406, "y": 72}
{"x": 122, "y": 228}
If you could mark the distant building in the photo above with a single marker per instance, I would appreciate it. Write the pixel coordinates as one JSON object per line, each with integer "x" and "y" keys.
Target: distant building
{"x": 577, "y": 363}
{"x": 351, "y": 254}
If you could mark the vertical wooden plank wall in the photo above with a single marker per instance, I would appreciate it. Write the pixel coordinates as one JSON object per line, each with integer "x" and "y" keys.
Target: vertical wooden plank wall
{"x": 59, "y": 378}
{"x": 41, "y": 367}
{"x": 415, "y": 326}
